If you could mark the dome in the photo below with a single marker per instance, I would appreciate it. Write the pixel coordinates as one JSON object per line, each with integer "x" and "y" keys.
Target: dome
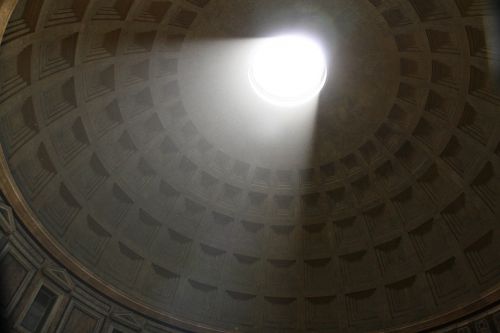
{"x": 137, "y": 157}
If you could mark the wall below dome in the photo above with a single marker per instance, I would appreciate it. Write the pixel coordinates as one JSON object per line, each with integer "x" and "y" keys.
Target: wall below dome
{"x": 26, "y": 268}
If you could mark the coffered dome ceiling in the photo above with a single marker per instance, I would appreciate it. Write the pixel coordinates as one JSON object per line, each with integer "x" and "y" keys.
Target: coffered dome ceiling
{"x": 145, "y": 163}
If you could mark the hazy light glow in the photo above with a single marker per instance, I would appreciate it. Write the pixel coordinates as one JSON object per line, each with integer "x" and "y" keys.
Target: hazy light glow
{"x": 288, "y": 70}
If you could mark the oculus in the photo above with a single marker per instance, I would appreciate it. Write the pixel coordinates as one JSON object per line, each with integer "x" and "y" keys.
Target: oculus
{"x": 288, "y": 70}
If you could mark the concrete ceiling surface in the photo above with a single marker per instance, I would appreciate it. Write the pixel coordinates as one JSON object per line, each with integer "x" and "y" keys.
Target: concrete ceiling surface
{"x": 131, "y": 140}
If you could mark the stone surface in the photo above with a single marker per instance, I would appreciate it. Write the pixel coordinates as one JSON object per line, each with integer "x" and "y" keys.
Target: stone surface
{"x": 121, "y": 125}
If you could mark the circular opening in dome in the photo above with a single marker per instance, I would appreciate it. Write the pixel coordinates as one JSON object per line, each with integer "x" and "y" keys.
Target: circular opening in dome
{"x": 288, "y": 70}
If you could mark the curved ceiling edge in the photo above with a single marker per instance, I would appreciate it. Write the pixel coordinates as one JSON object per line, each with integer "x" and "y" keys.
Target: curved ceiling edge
{"x": 28, "y": 219}
{"x": 36, "y": 229}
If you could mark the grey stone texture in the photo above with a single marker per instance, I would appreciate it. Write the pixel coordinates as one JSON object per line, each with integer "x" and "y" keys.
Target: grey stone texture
{"x": 122, "y": 140}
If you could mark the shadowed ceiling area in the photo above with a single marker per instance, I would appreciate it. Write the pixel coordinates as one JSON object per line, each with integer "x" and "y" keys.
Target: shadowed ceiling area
{"x": 143, "y": 162}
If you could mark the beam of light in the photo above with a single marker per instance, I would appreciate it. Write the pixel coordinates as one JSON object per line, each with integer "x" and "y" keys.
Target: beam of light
{"x": 216, "y": 93}
{"x": 288, "y": 70}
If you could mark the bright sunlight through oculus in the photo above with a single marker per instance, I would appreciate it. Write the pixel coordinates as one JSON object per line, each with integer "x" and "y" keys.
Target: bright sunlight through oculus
{"x": 288, "y": 70}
